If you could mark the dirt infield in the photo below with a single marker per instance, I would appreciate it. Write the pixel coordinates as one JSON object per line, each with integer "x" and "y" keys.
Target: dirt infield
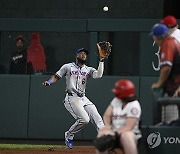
{"x": 75, "y": 150}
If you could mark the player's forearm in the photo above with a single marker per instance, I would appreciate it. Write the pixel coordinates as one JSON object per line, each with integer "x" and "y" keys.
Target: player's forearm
{"x": 52, "y": 80}
{"x": 107, "y": 117}
{"x": 99, "y": 72}
{"x": 107, "y": 122}
{"x": 164, "y": 74}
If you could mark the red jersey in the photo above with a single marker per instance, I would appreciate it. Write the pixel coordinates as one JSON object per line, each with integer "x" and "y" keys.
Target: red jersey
{"x": 170, "y": 55}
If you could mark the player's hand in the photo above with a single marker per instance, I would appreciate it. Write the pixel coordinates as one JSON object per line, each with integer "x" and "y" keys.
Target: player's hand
{"x": 177, "y": 93}
{"x": 155, "y": 86}
{"x": 105, "y": 131}
{"x": 46, "y": 83}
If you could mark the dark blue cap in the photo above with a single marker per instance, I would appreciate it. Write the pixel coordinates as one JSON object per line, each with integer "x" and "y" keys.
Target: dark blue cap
{"x": 82, "y": 49}
{"x": 159, "y": 30}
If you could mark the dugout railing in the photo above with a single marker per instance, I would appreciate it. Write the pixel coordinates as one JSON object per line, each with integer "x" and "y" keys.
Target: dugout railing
{"x": 168, "y": 108}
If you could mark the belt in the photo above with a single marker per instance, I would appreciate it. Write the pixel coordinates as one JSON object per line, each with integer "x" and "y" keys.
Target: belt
{"x": 78, "y": 94}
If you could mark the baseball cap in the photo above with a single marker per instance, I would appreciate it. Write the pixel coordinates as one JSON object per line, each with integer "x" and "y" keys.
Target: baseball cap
{"x": 169, "y": 21}
{"x": 82, "y": 49}
{"x": 20, "y": 37}
{"x": 159, "y": 30}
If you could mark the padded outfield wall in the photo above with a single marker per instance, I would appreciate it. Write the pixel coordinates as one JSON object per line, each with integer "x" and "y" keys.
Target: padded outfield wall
{"x": 30, "y": 111}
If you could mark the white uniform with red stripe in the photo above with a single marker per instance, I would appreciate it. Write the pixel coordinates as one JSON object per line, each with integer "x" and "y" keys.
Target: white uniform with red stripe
{"x": 176, "y": 34}
{"x": 80, "y": 107}
{"x": 119, "y": 115}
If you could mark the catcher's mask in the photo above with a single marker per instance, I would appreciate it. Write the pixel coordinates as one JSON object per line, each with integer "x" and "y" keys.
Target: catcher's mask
{"x": 82, "y": 49}
{"x": 124, "y": 89}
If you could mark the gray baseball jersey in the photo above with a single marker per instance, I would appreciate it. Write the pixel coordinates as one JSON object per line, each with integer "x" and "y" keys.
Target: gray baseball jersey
{"x": 80, "y": 107}
{"x": 76, "y": 77}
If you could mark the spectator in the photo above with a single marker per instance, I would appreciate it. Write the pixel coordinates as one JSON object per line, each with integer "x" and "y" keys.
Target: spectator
{"x": 169, "y": 79}
{"x": 18, "y": 58}
{"x": 122, "y": 118}
{"x": 171, "y": 23}
{"x": 36, "y": 60}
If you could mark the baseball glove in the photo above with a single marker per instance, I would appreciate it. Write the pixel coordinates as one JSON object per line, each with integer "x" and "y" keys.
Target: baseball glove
{"x": 105, "y": 142}
{"x": 104, "y": 50}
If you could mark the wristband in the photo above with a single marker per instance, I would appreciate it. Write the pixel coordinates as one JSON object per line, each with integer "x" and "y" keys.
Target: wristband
{"x": 50, "y": 81}
{"x": 102, "y": 60}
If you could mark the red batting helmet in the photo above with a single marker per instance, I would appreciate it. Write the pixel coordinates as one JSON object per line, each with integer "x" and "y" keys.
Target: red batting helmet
{"x": 124, "y": 89}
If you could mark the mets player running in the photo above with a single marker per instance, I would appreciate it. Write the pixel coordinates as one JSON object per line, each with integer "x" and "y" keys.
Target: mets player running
{"x": 80, "y": 107}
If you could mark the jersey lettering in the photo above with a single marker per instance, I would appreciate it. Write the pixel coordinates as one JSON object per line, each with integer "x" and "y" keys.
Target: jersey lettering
{"x": 76, "y": 77}
{"x": 119, "y": 116}
{"x": 78, "y": 73}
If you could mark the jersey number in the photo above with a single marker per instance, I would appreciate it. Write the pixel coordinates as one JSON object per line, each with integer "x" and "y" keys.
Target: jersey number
{"x": 83, "y": 81}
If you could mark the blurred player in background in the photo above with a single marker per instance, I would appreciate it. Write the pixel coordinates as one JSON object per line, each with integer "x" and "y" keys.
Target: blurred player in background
{"x": 121, "y": 119}
{"x": 171, "y": 23}
{"x": 169, "y": 79}
{"x": 80, "y": 107}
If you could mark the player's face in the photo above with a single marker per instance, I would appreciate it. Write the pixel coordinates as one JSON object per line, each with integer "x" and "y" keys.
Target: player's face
{"x": 117, "y": 91}
{"x": 19, "y": 44}
{"x": 157, "y": 40}
{"x": 82, "y": 55}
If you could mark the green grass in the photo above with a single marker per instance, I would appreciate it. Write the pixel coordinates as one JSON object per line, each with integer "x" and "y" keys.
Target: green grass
{"x": 28, "y": 146}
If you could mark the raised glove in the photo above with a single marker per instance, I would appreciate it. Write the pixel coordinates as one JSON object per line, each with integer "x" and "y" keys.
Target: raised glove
{"x": 105, "y": 142}
{"x": 104, "y": 50}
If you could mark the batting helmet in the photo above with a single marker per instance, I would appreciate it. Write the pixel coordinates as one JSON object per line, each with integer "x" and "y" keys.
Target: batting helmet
{"x": 82, "y": 49}
{"x": 124, "y": 89}
{"x": 159, "y": 30}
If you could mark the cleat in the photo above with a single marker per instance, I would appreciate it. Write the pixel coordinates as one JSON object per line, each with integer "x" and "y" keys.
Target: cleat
{"x": 69, "y": 143}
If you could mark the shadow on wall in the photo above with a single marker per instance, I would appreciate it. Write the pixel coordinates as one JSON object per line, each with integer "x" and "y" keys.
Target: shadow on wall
{"x": 2, "y": 69}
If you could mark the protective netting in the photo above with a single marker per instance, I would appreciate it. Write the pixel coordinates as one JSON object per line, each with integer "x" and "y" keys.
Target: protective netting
{"x": 60, "y": 47}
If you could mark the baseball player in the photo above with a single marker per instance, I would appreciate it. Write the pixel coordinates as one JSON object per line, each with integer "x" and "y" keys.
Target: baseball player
{"x": 80, "y": 107}
{"x": 171, "y": 23}
{"x": 121, "y": 119}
